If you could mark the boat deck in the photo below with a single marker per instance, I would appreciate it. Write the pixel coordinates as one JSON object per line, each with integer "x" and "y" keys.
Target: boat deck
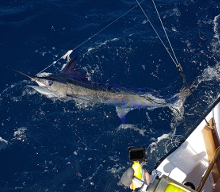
{"x": 190, "y": 161}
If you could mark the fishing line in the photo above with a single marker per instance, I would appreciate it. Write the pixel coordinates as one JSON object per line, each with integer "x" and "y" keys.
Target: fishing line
{"x": 92, "y": 36}
{"x": 65, "y": 56}
{"x": 156, "y": 32}
{"x": 165, "y": 32}
{"x": 173, "y": 57}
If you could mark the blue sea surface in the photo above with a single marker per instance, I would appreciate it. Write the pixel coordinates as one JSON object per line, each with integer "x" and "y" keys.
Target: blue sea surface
{"x": 52, "y": 145}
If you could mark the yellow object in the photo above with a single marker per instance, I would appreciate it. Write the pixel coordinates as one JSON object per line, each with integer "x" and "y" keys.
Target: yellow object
{"x": 137, "y": 169}
{"x": 172, "y": 187}
{"x": 137, "y": 173}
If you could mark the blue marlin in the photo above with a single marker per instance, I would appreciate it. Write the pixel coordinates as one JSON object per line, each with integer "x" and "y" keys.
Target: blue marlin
{"x": 69, "y": 83}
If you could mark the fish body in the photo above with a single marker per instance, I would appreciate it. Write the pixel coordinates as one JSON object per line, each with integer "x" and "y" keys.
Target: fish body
{"x": 70, "y": 84}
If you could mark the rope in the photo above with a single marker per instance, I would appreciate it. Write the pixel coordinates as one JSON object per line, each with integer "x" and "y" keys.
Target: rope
{"x": 173, "y": 57}
{"x": 156, "y": 32}
{"x": 165, "y": 32}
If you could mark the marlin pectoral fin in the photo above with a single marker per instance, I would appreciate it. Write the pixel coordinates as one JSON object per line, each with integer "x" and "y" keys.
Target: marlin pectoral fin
{"x": 122, "y": 112}
{"x": 68, "y": 95}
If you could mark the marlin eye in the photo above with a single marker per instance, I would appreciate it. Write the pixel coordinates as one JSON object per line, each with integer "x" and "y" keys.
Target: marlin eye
{"x": 50, "y": 83}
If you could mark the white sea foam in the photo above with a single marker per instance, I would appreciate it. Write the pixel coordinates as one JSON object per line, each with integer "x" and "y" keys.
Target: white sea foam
{"x": 20, "y": 134}
{"x": 216, "y": 41}
{"x": 99, "y": 45}
{"x": 44, "y": 74}
{"x": 153, "y": 146}
{"x": 3, "y": 143}
{"x": 135, "y": 128}
{"x": 216, "y": 26}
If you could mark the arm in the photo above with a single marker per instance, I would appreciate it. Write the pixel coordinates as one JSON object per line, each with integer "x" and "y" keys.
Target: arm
{"x": 147, "y": 177}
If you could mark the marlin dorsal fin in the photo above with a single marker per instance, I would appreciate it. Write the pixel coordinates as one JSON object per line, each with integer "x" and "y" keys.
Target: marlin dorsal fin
{"x": 70, "y": 68}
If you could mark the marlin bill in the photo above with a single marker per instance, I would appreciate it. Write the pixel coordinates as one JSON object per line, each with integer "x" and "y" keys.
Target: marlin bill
{"x": 69, "y": 83}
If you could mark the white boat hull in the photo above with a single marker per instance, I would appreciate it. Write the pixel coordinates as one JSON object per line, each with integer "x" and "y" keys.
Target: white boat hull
{"x": 189, "y": 162}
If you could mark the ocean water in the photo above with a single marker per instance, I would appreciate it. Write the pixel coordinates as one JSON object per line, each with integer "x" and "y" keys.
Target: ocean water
{"x": 63, "y": 146}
